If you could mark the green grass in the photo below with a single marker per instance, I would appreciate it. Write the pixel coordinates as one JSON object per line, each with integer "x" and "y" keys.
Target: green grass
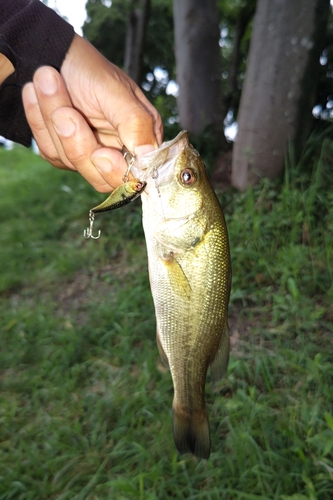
{"x": 85, "y": 404}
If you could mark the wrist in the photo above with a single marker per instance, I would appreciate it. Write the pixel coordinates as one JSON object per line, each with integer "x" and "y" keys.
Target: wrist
{"x": 78, "y": 53}
{"x": 84, "y": 71}
{"x": 6, "y": 68}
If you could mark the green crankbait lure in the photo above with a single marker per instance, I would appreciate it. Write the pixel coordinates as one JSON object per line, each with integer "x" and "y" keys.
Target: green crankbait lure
{"x": 121, "y": 196}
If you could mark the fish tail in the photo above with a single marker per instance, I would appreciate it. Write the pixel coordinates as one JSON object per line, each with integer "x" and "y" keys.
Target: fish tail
{"x": 191, "y": 432}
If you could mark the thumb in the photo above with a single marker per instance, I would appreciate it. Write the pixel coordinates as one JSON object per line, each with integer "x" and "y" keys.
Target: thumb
{"x": 141, "y": 132}
{"x": 140, "y": 126}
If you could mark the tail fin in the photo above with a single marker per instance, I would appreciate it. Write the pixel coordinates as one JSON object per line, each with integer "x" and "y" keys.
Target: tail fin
{"x": 191, "y": 432}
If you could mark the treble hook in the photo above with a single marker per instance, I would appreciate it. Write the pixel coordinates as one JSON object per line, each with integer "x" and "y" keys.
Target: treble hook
{"x": 87, "y": 233}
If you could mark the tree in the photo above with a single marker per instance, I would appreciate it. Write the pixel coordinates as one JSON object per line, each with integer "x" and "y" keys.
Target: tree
{"x": 107, "y": 28}
{"x": 198, "y": 66}
{"x": 136, "y": 34}
{"x": 236, "y": 26}
{"x": 279, "y": 89}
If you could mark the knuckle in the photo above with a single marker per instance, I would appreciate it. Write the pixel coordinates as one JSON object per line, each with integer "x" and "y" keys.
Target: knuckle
{"x": 52, "y": 157}
{"x": 76, "y": 156}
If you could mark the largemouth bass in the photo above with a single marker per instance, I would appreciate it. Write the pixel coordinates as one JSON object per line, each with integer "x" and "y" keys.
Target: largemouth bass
{"x": 190, "y": 275}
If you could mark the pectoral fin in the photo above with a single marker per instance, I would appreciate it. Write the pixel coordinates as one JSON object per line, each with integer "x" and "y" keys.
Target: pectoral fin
{"x": 219, "y": 365}
{"x": 178, "y": 280}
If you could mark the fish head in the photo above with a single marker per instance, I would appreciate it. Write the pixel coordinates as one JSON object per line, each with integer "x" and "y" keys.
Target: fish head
{"x": 183, "y": 195}
{"x": 173, "y": 199}
{"x": 174, "y": 181}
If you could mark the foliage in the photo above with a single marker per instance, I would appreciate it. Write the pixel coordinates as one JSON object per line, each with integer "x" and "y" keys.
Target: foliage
{"x": 85, "y": 402}
{"x": 287, "y": 223}
{"x": 106, "y": 30}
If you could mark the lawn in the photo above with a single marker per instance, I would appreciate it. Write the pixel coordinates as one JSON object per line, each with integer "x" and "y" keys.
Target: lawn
{"x": 85, "y": 403}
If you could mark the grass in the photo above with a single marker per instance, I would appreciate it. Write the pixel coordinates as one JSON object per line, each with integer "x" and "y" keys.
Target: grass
{"x": 84, "y": 400}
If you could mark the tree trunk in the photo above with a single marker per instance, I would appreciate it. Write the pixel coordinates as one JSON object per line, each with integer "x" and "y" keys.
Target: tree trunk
{"x": 198, "y": 66}
{"x": 244, "y": 17}
{"x": 136, "y": 31}
{"x": 280, "y": 81}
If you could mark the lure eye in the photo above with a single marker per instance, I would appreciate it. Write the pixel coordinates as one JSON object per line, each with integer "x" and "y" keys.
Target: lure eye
{"x": 139, "y": 186}
{"x": 187, "y": 177}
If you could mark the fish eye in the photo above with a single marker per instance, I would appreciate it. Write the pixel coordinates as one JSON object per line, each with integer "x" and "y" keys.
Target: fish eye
{"x": 187, "y": 177}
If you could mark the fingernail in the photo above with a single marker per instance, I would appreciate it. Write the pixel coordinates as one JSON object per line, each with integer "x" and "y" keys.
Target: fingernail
{"x": 46, "y": 81}
{"x": 102, "y": 164}
{"x": 145, "y": 148}
{"x": 30, "y": 94}
{"x": 63, "y": 125}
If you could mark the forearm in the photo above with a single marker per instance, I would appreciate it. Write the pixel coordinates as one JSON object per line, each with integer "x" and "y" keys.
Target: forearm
{"x": 31, "y": 35}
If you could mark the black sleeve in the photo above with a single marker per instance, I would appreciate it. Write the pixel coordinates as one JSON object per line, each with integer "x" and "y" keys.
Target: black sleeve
{"x": 31, "y": 35}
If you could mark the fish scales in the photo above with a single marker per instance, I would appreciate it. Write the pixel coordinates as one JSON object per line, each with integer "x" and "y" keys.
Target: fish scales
{"x": 189, "y": 271}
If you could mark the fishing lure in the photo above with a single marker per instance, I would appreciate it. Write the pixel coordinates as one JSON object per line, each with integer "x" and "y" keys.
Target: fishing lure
{"x": 122, "y": 195}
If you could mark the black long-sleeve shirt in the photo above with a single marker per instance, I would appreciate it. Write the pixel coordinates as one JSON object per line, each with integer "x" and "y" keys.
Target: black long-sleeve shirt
{"x": 31, "y": 35}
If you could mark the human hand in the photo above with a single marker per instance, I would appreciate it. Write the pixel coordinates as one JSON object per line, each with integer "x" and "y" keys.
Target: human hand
{"x": 82, "y": 117}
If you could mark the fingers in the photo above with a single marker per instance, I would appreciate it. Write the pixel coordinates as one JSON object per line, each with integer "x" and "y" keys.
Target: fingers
{"x": 62, "y": 134}
{"x": 105, "y": 171}
{"x": 127, "y": 113}
{"x": 40, "y": 99}
{"x": 78, "y": 143}
{"x": 138, "y": 123}
{"x": 110, "y": 164}
{"x": 36, "y": 122}
{"x": 140, "y": 132}
{"x": 135, "y": 119}
{"x": 157, "y": 124}
{"x": 81, "y": 118}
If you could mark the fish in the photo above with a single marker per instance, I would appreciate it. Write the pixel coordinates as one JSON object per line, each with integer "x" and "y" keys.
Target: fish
{"x": 190, "y": 276}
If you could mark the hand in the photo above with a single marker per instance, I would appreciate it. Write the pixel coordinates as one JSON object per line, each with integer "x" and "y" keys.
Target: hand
{"x": 82, "y": 117}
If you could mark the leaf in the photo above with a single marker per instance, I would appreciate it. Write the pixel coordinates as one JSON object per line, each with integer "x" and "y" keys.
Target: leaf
{"x": 329, "y": 420}
{"x": 296, "y": 496}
